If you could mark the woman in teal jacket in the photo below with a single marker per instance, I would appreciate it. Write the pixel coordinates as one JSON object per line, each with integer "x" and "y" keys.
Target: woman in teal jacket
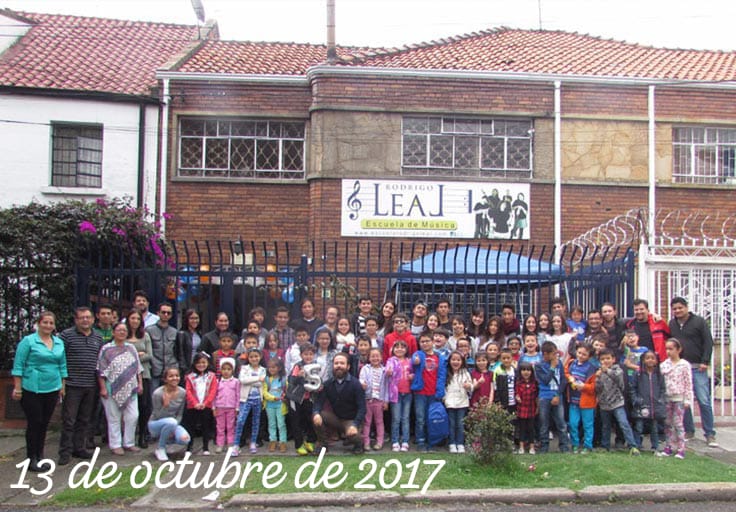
{"x": 39, "y": 371}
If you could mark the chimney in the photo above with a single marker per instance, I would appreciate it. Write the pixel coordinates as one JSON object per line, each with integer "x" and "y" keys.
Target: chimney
{"x": 331, "y": 50}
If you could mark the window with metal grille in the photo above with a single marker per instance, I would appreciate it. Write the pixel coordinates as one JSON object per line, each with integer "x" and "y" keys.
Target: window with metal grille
{"x": 241, "y": 148}
{"x": 466, "y": 147}
{"x": 704, "y": 155}
{"x": 76, "y": 159}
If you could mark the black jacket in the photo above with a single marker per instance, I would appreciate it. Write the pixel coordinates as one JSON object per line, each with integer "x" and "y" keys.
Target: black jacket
{"x": 347, "y": 400}
{"x": 648, "y": 390}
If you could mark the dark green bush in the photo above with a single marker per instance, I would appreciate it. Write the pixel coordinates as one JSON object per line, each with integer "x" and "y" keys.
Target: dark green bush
{"x": 40, "y": 248}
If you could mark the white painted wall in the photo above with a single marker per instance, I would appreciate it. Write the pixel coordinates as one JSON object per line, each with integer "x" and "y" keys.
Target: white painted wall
{"x": 25, "y": 148}
{"x": 12, "y": 30}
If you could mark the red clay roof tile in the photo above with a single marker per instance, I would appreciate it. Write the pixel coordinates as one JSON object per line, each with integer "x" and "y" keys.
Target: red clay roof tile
{"x": 92, "y": 54}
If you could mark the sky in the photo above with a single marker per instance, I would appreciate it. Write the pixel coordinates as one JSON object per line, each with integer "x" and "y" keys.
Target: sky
{"x": 701, "y": 24}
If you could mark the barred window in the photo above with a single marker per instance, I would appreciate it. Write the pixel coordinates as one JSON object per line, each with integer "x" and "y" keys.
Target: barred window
{"x": 704, "y": 155}
{"x": 241, "y": 148}
{"x": 462, "y": 147}
{"x": 76, "y": 155}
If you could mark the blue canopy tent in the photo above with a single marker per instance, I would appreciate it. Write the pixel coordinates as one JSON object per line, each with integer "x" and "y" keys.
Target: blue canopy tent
{"x": 478, "y": 266}
{"x": 472, "y": 275}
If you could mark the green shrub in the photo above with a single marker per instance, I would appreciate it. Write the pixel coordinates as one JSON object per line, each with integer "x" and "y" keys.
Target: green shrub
{"x": 489, "y": 434}
{"x": 41, "y": 246}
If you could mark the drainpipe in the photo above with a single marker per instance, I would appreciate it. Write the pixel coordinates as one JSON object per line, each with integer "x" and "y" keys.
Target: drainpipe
{"x": 646, "y": 282}
{"x": 141, "y": 153}
{"x": 558, "y": 170}
{"x": 163, "y": 172}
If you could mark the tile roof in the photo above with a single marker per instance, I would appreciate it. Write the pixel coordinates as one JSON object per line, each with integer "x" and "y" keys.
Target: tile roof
{"x": 91, "y": 54}
{"x": 260, "y": 58}
{"x": 498, "y": 50}
{"x": 555, "y": 52}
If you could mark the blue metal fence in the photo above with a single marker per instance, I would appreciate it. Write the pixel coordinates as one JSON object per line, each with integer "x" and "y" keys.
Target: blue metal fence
{"x": 235, "y": 276}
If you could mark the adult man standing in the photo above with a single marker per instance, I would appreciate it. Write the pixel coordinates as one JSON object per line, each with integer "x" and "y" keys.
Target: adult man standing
{"x": 652, "y": 333}
{"x": 165, "y": 351}
{"x": 82, "y": 346}
{"x": 595, "y": 324}
{"x": 418, "y": 318}
{"x": 141, "y": 303}
{"x": 347, "y": 399}
{"x": 104, "y": 322}
{"x": 697, "y": 348}
{"x": 558, "y": 307}
{"x": 614, "y": 327}
{"x": 443, "y": 312}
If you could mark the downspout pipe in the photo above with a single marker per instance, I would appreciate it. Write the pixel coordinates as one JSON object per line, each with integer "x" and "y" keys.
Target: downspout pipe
{"x": 141, "y": 154}
{"x": 646, "y": 282}
{"x": 558, "y": 170}
{"x": 163, "y": 172}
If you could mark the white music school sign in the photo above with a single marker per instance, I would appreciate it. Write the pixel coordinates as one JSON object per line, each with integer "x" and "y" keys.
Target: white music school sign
{"x": 435, "y": 209}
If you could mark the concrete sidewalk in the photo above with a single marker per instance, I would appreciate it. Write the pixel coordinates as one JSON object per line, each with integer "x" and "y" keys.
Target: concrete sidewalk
{"x": 12, "y": 452}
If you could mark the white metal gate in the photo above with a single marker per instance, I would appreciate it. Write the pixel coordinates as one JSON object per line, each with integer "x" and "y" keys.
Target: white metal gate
{"x": 711, "y": 292}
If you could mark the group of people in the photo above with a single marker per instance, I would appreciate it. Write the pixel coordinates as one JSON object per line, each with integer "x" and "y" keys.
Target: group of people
{"x": 317, "y": 381}
{"x": 112, "y": 366}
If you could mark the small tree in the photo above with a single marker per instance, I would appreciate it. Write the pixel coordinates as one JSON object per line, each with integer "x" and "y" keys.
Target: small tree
{"x": 489, "y": 433}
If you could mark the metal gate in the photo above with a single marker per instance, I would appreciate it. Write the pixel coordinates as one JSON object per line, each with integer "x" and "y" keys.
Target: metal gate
{"x": 236, "y": 276}
{"x": 710, "y": 290}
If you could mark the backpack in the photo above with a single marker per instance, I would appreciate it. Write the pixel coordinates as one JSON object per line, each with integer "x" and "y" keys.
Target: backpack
{"x": 438, "y": 424}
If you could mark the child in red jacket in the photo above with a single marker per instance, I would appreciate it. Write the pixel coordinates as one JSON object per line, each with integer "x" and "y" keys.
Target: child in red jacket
{"x": 201, "y": 387}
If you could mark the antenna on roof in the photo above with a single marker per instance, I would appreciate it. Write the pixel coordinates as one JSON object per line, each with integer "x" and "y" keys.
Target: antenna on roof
{"x": 198, "y": 10}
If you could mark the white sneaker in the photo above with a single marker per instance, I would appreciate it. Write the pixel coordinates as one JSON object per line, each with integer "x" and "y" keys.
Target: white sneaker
{"x": 160, "y": 454}
{"x": 453, "y": 448}
{"x": 532, "y": 450}
{"x": 521, "y": 450}
{"x": 395, "y": 447}
{"x": 404, "y": 447}
{"x": 218, "y": 449}
{"x": 461, "y": 448}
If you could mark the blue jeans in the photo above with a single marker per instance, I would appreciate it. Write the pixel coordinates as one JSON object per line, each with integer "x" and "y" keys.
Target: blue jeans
{"x": 587, "y": 417}
{"x": 168, "y": 431}
{"x": 421, "y": 405}
{"x": 253, "y": 404}
{"x": 620, "y": 414}
{"x": 654, "y": 425}
{"x": 400, "y": 412}
{"x": 457, "y": 425}
{"x": 701, "y": 389}
{"x": 556, "y": 413}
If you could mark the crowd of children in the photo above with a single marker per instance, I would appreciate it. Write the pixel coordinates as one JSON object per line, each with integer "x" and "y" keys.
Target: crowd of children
{"x": 555, "y": 376}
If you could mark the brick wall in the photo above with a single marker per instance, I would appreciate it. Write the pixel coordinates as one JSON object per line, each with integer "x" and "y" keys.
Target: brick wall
{"x": 220, "y": 211}
{"x": 436, "y": 95}
{"x": 240, "y": 99}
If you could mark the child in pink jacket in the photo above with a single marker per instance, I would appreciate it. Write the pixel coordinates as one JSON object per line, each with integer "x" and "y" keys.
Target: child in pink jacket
{"x": 678, "y": 397}
{"x": 226, "y": 404}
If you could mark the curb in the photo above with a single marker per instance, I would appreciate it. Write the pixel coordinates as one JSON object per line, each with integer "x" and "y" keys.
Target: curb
{"x": 656, "y": 493}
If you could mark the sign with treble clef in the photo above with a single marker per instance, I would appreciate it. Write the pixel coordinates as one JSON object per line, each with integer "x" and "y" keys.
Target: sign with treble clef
{"x": 435, "y": 209}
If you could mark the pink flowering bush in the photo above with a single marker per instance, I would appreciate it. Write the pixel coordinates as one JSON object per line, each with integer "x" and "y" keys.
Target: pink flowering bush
{"x": 116, "y": 223}
{"x": 42, "y": 247}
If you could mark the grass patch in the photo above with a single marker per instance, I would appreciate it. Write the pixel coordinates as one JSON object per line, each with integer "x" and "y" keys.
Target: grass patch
{"x": 459, "y": 472}
{"x": 551, "y": 470}
{"x": 120, "y": 493}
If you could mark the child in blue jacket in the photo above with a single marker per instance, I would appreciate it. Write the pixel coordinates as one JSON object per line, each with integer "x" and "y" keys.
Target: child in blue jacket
{"x": 430, "y": 374}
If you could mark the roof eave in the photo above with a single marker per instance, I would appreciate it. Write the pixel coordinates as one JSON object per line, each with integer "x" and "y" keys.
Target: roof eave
{"x": 326, "y": 70}
{"x": 79, "y": 94}
{"x": 233, "y": 77}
